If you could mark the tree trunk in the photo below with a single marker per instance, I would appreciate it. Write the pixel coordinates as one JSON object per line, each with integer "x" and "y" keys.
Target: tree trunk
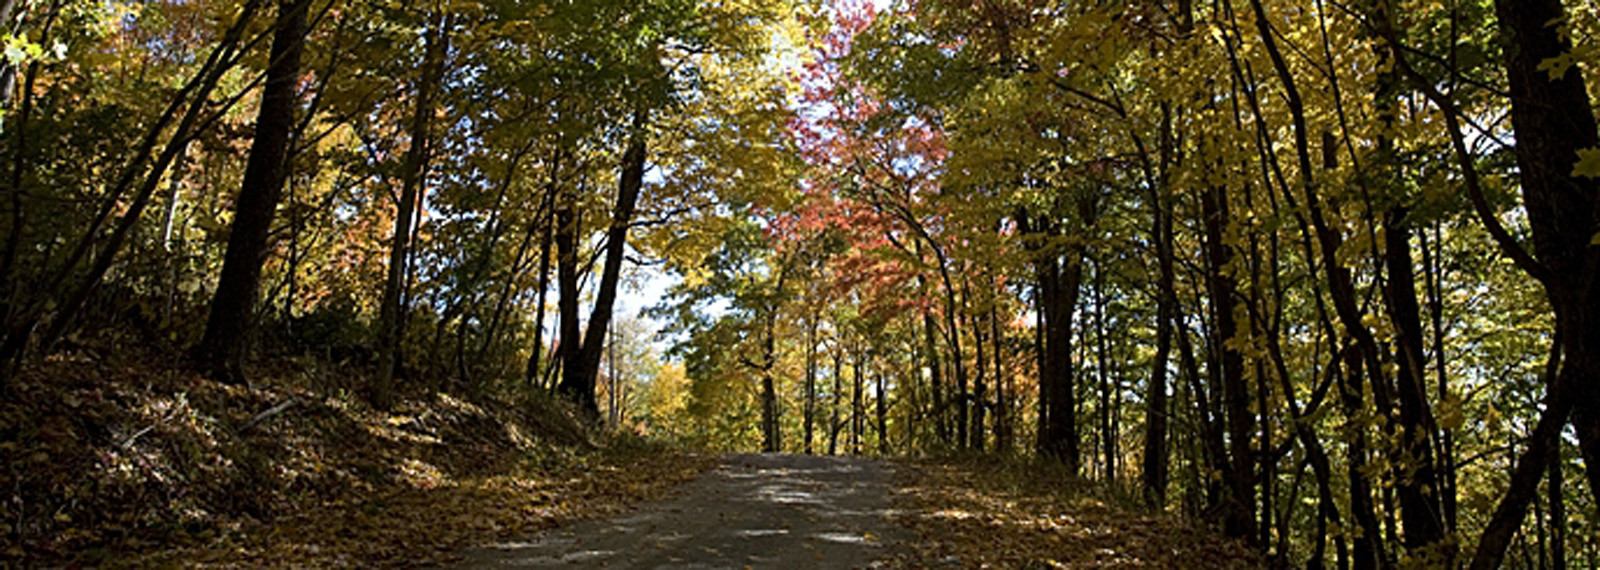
{"x": 578, "y": 374}
{"x": 1433, "y": 280}
{"x": 1558, "y": 511}
{"x": 391, "y": 314}
{"x": 546, "y": 243}
{"x": 811, "y": 382}
{"x": 1058, "y": 290}
{"x": 1002, "y": 404}
{"x": 1155, "y": 437}
{"x": 935, "y": 376}
{"x": 833, "y": 400}
{"x": 979, "y": 383}
{"x": 220, "y": 353}
{"x": 857, "y": 410}
{"x": 769, "y": 395}
{"x": 881, "y": 401}
{"x": 1419, "y": 487}
{"x": 1553, "y": 120}
{"x": 1238, "y": 466}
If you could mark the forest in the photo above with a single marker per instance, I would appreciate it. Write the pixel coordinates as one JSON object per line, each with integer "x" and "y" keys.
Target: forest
{"x": 1312, "y": 274}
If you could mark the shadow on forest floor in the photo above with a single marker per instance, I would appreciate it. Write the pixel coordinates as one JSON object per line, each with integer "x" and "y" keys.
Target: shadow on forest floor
{"x": 997, "y": 513}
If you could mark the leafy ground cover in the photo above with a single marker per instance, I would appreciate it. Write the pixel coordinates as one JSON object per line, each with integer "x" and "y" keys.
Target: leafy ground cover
{"x": 121, "y": 457}
{"x": 984, "y": 512}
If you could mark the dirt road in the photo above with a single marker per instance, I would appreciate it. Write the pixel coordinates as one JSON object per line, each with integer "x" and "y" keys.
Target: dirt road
{"x": 755, "y": 511}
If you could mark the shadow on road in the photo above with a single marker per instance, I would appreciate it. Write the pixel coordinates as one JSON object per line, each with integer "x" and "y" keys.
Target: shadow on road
{"x": 755, "y": 511}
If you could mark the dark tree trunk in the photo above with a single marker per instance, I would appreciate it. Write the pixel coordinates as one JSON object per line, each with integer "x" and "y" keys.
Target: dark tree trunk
{"x": 881, "y": 402}
{"x": 583, "y": 358}
{"x": 1447, "y": 469}
{"x": 391, "y": 314}
{"x": 1553, "y": 120}
{"x": 936, "y": 376}
{"x": 1238, "y": 464}
{"x": 546, "y": 244}
{"x": 770, "y": 442}
{"x": 811, "y": 382}
{"x": 1558, "y": 511}
{"x": 566, "y": 242}
{"x": 1155, "y": 436}
{"x": 220, "y": 353}
{"x": 1417, "y": 478}
{"x": 1058, "y": 291}
{"x": 979, "y": 383}
{"x": 1419, "y": 488}
{"x": 833, "y": 400}
{"x": 1002, "y": 404}
{"x": 856, "y": 408}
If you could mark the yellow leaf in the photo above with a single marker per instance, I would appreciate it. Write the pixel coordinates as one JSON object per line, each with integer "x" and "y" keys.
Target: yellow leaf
{"x": 1588, "y": 163}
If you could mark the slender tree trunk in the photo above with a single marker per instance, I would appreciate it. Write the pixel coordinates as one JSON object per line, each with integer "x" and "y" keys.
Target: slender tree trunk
{"x": 391, "y": 314}
{"x": 1418, "y": 485}
{"x": 1419, "y": 489}
{"x": 881, "y": 401}
{"x": 1447, "y": 465}
{"x": 1558, "y": 511}
{"x": 1002, "y": 405}
{"x": 979, "y": 383}
{"x": 769, "y": 394}
{"x": 811, "y": 381}
{"x": 936, "y": 377}
{"x": 1155, "y": 438}
{"x": 857, "y": 407}
{"x": 566, "y": 242}
{"x": 1108, "y": 451}
{"x": 833, "y": 400}
{"x": 220, "y": 353}
{"x": 546, "y": 244}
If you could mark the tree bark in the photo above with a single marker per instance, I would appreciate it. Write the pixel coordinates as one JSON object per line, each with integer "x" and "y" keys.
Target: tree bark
{"x": 221, "y": 351}
{"x": 1155, "y": 437}
{"x": 1059, "y": 288}
{"x": 1238, "y": 464}
{"x": 582, "y": 364}
{"x": 811, "y": 382}
{"x": 1553, "y": 120}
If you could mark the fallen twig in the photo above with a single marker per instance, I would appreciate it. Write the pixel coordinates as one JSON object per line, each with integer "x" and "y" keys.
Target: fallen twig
{"x": 268, "y": 414}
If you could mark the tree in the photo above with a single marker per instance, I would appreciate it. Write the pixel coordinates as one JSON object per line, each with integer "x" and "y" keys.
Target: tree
{"x": 221, "y": 351}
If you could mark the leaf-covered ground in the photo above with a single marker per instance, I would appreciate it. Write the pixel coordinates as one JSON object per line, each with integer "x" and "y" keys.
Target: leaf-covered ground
{"x": 991, "y": 513}
{"x": 114, "y": 456}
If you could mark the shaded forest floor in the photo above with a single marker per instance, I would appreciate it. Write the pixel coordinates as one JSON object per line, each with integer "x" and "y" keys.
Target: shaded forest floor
{"x": 112, "y": 455}
{"x": 987, "y": 512}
